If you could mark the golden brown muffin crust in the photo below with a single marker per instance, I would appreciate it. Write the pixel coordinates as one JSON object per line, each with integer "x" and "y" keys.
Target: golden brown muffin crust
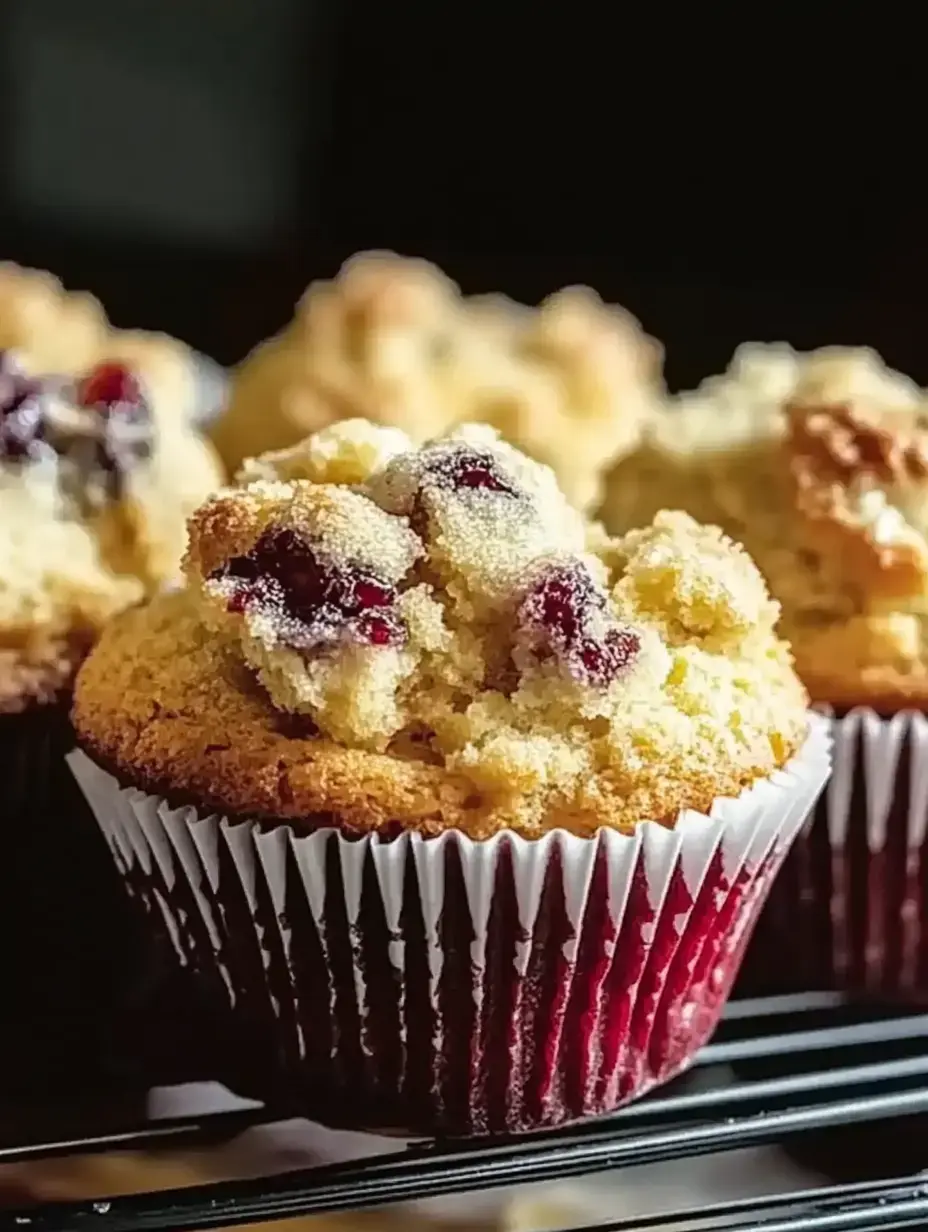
{"x": 171, "y": 711}
{"x": 818, "y": 463}
{"x": 445, "y": 645}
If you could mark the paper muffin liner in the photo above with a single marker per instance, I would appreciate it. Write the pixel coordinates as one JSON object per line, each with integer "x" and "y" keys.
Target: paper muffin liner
{"x": 64, "y": 921}
{"x": 849, "y": 911}
{"x": 444, "y": 985}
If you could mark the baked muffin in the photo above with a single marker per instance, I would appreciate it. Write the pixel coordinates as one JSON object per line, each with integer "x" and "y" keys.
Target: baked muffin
{"x": 98, "y": 472}
{"x": 471, "y": 806}
{"x": 392, "y": 340}
{"x": 818, "y": 463}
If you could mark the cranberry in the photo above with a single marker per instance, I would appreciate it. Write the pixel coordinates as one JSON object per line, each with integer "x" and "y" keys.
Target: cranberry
{"x": 313, "y": 602}
{"x": 124, "y": 436}
{"x": 462, "y": 467}
{"x": 22, "y": 420}
{"x": 111, "y": 388}
{"x": 563, "y": 612}
{"x": 456, "y": 468}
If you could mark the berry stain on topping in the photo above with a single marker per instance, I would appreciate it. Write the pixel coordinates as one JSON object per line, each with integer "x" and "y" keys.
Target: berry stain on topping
{"x": 100, "y": 430}
{"x": 462, "y": 468}
{"x": 564, "y": 613}
{"x": 313, "y": 602}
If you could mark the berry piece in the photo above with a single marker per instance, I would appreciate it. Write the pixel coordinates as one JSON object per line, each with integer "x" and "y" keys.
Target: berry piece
{"x": 564, "y": 613}
{"x": 462, "y": 468}
{"x": 123, "y": 436}
{"x": 450, "y": 472}
{"x": 112, "y": 389}
{"x": 311, "y": 602}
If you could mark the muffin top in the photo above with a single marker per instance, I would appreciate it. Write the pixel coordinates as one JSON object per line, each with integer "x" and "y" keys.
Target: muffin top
{"x": 819, "y": 465}
{"x": 97, "y": 477}
{"x": 392, "y": 340}
{"x": 432, "y": 637}
{"x": 51, "y": 329}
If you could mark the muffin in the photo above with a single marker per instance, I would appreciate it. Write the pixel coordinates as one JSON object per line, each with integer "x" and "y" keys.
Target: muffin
{"x": 392, "y": 340}
{"x": 98, "y": 472}
{"x": 818, "y": 463}
{"x": 464, "y": 807}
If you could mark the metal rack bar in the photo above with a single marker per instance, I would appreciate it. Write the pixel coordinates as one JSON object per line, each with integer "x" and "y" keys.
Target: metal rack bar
{"x": 875, "y": 1083}
{"x": 173, "y": 1132}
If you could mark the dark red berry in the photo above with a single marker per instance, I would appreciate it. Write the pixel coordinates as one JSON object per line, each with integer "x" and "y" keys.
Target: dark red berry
{"x": 456, "y": 468}
{"x": 314, "y": 602}
{"x": 111, "y": 387}
{"x": 461, "y": 467}
{"x": 380, "y": 630}
{"x": 563, "y": 612}
{"x": 125, "y": 434}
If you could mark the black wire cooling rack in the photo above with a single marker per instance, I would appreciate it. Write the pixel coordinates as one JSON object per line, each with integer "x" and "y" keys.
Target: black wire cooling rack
{"x": 802, "y": 1070}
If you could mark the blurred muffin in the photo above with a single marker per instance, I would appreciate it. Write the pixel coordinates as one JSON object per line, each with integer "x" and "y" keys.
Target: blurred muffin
{"x": 51, "y": 329}
{"x": 818, "y": 463}
{"x": 55, "y": 331}
{"x": 392, "y": 340}
{"x": 99, "y": 468}
{"x": 437, "y": 711}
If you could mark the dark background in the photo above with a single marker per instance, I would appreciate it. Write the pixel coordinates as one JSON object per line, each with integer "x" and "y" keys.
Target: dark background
{"x": 726, "y": 172}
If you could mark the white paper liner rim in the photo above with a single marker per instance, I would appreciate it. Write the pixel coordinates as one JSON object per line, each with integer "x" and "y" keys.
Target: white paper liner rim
{"x": 144, "y": 828}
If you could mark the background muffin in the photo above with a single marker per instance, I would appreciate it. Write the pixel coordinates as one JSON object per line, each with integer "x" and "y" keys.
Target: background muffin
{"x": 437, "y": 711}
{"x": 392, "y": 340}
{"x": 98, "y": 470}
{"x": 821, "y": 469}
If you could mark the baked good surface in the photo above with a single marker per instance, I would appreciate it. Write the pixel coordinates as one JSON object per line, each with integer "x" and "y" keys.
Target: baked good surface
{"x": 53, "y": 330}
{"x": 97, "y": 476}
{"x": 433, "y": 638}
{"x": 818, "y": 464}
{"x": 392, "y": 340}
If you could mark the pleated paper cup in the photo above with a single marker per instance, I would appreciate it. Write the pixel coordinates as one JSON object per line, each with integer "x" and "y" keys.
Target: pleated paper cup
{"x": 448, "y": 986}
{"x": 850, "y": 909}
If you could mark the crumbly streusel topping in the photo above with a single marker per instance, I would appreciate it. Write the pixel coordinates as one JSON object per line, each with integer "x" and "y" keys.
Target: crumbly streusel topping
{"x": 97, "y": 477}
{"x": 443, "y": 642}
{"x": 821, "y": 470}
{"x": 394, "y": 341}
{"x": 51, "y": 329}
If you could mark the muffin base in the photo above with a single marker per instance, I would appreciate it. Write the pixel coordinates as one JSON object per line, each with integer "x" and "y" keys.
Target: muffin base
{"x": 849, "y": 911}
{"x": 447, "y": 986}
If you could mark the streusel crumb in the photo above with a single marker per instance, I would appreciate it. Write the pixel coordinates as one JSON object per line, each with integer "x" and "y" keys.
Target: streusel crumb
{"x": 819, "y": 464}
{"x": 51, "y": 329}
{"x": 442, "y": 644}
{"x": 393, "y": 340}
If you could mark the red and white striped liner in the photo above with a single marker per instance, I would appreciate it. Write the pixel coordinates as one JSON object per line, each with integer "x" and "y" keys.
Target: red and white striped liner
{"x": 450, "y": 986}
{"x": 850, "y": 909}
